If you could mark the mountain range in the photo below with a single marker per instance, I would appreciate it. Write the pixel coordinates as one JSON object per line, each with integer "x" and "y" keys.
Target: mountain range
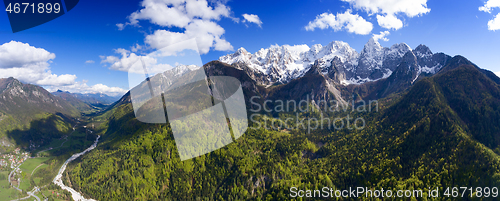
{"x": 437, "y": 125}
{"x": 282, "y": 64}
{"x": 89, "y": 98}
{"x": 29, "y": 113}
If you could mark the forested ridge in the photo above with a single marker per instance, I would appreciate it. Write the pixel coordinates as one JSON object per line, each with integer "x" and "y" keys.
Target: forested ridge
{"x": 442, "y": 132}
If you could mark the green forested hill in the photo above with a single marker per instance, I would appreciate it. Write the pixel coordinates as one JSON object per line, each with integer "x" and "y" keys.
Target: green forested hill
{"x": 441, "y": 133}
{"x": 30, "y": 114}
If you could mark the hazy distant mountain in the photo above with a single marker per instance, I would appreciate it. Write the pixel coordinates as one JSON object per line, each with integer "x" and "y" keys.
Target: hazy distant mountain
{"x": 95, "y": 98}
{"x": 24, "y": 100}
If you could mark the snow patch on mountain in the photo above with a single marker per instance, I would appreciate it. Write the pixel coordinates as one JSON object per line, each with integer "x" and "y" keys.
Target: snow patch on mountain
{"x": 289, "y": 62}
{"x": 374, "y": 62}
{"x": 431, "y": 70}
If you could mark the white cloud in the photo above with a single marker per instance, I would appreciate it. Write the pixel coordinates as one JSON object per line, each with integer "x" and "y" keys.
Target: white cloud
{"x": 252, "y": 18}
{"x": 207, "y": 34}
{"x": 136, "y": 48}
{"x": 382, "y": 36}
{"x": 128, "y": 59}
{"x": 353, "y": 23}
{"x": 493, "y": 24}
{"x": 489, "y": 5}
{"x": 32, "y": 65}
{"x": 498, "y": 74}
{"x": 17, "y": 54}
{"x": 410, "y": 8}
{"x": 120, "y": 26}
{"x": 82, "y": 87}
{"x": 197, "y": 19}
{"x": 109, "y": 59}
{"x": 89, "y": 61}
{"x": 388, "y": 9}
{"x": 176, "y": 13}
{"x": 389, "y": 22}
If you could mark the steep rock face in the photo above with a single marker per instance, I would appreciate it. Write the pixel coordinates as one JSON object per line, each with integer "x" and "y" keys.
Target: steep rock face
{"x": 337, "y": 60}
{"x": 281, "y": 64}
{"x": 376, "y": 62}
{"x": 370, "y": 60}
{"x": 24, "y": 101}
{"x": 414, "y": 65}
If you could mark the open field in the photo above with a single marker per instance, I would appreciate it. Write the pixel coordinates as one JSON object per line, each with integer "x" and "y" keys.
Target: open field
{"x": 30, "y": 164}
{"x": 6, "y": 192}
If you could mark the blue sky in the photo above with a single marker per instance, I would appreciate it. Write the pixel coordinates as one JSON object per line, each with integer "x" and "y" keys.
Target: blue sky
{"x": 85, "y": 51}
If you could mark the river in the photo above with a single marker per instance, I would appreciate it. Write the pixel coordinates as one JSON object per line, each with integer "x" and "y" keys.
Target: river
{"x": 58, "y": 179}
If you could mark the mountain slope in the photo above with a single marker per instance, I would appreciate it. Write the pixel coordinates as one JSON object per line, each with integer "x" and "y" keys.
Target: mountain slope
{"x": 425, "y": 138}
{"x": 414, "y": 65}
{"x": 92, "y": 99}
{"x": 337, "y": 60}
{"x": 29, "y": 113}
{"x": 74, "y": 101}
{"x": 475, "y": 98}
{"x": 24, "y": 100}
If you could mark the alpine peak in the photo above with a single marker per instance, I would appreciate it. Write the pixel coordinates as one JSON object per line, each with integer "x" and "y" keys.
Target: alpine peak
{"x": 281, "y": 64}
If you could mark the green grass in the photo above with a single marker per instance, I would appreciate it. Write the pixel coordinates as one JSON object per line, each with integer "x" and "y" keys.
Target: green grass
{"x": 37, "y": 180}
{"x": 41, "y": 166}
{"x": 29, "y": 165}
{"x": 6, "y": 192}
{"x": 48, "y": 193}
{"x": 25, "y": 184}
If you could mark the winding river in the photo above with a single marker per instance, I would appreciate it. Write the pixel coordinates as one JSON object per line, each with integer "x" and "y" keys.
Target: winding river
{"x": 58, "y": 179}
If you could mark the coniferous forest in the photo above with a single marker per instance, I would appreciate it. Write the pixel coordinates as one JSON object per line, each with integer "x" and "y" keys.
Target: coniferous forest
{"x": 441, "y": 133}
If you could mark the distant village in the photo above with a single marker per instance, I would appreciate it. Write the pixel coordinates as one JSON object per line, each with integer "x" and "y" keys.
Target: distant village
{"x": 13, "y": 159}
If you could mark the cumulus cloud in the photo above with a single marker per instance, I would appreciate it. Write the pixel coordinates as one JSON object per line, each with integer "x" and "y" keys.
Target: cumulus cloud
{"x": 410, "y": 8}
{"x": 389, "y": 22}
{"x": 82, "y": 87}
{"x": 17, "y": 54}
{"x": 381, "y": 36}
{"x": 128, "y": 59}
{"x": 387, "y": 10}
{"x": 120, "y": 26}
{"x": 490, "y": 4}
{"x": 353, "y": 23}
{"x": 177, "y": 13}
{"x": 89, "y": 61}
{"x": 493, "y": 24}
{"x": 252, "y": 19}
{"x": 196, "y": 18}
{"x": 32, "y": 65}
{"x": 207, "y": 34}
{"x": 136, "y": 48}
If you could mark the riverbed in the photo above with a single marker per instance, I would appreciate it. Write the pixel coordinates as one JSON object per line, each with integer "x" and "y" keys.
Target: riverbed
{"x": 58, "y": 179}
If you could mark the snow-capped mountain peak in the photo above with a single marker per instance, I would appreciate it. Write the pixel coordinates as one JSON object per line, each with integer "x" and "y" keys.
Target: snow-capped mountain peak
{"x": 371, "y": 46}
{"x": 287, "y": 62}
{"x": 336, "y": 59}
{"x": 422, "y": 51}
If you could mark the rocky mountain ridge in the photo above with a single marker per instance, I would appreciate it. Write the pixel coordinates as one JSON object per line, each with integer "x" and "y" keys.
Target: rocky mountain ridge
{"x": 281, "y": 64}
